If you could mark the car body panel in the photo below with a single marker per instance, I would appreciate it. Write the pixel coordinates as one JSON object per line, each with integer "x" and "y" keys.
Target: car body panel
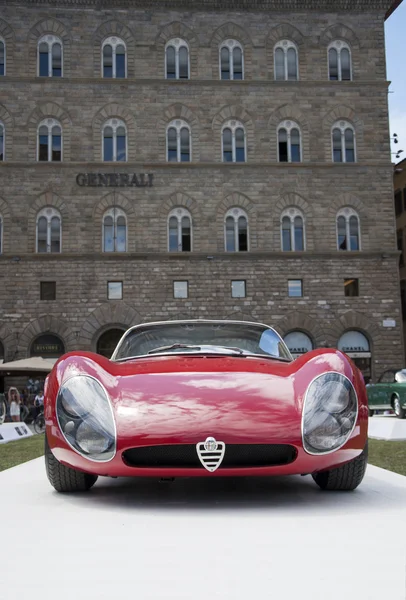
{"x": 380, "y": 394}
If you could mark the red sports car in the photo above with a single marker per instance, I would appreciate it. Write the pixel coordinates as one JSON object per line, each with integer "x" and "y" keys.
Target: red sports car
{"x": 205, "y": 398}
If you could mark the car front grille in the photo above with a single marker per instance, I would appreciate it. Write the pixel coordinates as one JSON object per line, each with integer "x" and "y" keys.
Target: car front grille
{"x": 184, "y": 456}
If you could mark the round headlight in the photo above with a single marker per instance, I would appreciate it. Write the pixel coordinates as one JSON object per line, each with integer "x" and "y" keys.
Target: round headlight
{"x": 329, "y": 413}
{"x": 85, "y": 417}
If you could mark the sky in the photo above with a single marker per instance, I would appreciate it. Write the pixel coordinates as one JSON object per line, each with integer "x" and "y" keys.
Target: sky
{"x": 395, "y": 59}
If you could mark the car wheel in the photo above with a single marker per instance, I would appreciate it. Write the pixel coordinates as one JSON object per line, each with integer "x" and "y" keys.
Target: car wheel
{"x": 345, "y": 478}
{"x": 371, "y": 412}
{"x": 399, "y": 411}
{"x": 65, "y": 479}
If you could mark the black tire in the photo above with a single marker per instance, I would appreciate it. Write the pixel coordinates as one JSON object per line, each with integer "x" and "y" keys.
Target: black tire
{"x": 65, "y": 479}
{"x": 344, "y": 478}
{"x": 39, "y": 424}
{"x": 371, "y": 412}
{"x": 397, "y": 409}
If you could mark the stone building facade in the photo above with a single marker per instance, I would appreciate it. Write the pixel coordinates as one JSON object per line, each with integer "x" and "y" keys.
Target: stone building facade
{"x": 280, "y": 209}
{"x": 399, "y": 184}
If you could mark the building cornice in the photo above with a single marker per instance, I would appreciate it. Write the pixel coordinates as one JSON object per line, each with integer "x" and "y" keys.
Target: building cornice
{"x": 387, "y": 7}
{"x": 146, "y": 167}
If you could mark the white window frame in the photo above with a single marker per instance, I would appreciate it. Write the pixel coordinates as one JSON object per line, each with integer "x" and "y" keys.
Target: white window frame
{"x": 292, "y": 213}
{"x": 4, "y": 140}
{"x": 5, "y": 55}
{"x": 114, "y": 41}
{"x": 233, "y": 125}
{"x": 236, "y": 212}
{"x": 339, "y": 45}
{"x": 347, "y": 212}
{"x": 177, "y": 44}
{"x": 342, "y": 126}
{"x": 289, "y": 125}
{"x": 49, "y": 212}
{"x": 179, "y": 213}
{"x": 244, "y": 281}
{"x": 115, "y": 124}
{"x": 50, "y": 40}
{"x": 285, "y": 45}
{"x": 230, "y": 45}
{"x": 50, "y": 123}
{"x": 178, "y": 124}
{"x": 115, "y": 212}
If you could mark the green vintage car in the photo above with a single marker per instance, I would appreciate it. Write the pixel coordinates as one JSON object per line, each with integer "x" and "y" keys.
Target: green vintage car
{"x": 389, "y": 393}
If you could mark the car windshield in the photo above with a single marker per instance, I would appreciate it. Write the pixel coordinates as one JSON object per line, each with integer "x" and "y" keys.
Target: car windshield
{"x": 401, "y": 376}
{"x": 234, "y": 338}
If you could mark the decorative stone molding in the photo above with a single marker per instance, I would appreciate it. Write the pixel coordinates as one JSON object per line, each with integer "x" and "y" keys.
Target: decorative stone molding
{"x": 238, "y": 113}
{"x": 292, "y": 113}
{"x": 8, "y": 36}
{"x": 109, "y": 315}
{"x": 292, "y": 200}
{"x": 43, "y": 111}
{"x": 42, "y": 325}
{"x": 353, "y": 320}
{"x": 342, "y": 113}
{"x": 52, "y": 27}
{"x": 237, "y": 200}
{"x": 179, "y": 199}
{"x": 231, "y": 31}
{"x": 285, "y": 31}
{"x": 8, "y": 123}
{"x": 347, "y": 200}
{"x": 173, "y": 31}
{"x": 182, "y": 112}
{"x": 118, "y": 200}
{"x": 117, "y": 29}
{"x": 300, "y": 321}
{"x": 50, "y": 199}
{"x": 111, "y": 111}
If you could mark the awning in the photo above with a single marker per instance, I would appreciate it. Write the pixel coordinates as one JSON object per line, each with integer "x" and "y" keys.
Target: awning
{"x": 36, "y": 364}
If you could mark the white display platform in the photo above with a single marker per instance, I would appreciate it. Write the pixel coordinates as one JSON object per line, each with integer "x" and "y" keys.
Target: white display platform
{"x": 387, "y": 427}
{"x": 243, "y": 539}
{"x": 13, "y": 431}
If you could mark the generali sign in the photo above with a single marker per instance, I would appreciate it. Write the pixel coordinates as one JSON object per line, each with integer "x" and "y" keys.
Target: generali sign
{"x": 114, "y": 179}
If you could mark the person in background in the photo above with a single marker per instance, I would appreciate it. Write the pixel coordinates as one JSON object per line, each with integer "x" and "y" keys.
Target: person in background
{"x": 39, "y": 402}
{"x": 14, "y": 402}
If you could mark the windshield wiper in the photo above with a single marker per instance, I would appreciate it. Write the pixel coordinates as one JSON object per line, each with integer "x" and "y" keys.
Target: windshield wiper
{"x": 173, "y": 347}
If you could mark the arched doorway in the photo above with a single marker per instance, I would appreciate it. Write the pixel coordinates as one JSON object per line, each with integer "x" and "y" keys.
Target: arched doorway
{"x": 298, "y": 343}
{"x": 1, "y": 352}
{"x": 356, "y": 345}
{"x": 107, "y": 342}
{"x": 47, "y": 346}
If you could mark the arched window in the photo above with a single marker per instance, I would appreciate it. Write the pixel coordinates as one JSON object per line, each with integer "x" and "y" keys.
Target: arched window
{"x": 2, "y": 144}
{"x": 236, "y": 230}
{"x": 114, "y": 230}
{"x": 179, "y": 230}
{"x": 2, "y": 57}
{"x": 114, "y": 58}
{"x": 49, "y": 230}
{"x": 49, "y": 141}
{"x": 339, "y": 61}
{"x": 178, "y": 142}
{"x": 343, "y": 138}
{"x": 348, "y": 230}
{"x": 177, "y": 59}
{"x": 231, "y": 60}
{"x": 47, "y": 346}
{"x": 286, "y": 61}
{"x": 292, "y": 230}
{"x": 114, "y": 141}
{"x": 50, "y": 56}
{"x": 289, "y": 146}
{"x": 233, "y": 142}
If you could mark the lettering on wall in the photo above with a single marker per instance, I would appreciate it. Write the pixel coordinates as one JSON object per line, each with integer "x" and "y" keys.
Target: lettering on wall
{"x": 115, "y": 179}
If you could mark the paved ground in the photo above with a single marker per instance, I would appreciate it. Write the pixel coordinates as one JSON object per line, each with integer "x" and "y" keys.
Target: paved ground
{"x": 246, "y": 539}
{"x": 387, "y": 427}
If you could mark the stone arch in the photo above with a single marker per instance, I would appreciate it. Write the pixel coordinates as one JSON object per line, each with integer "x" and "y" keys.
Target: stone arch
{"x": 110, "y": 200}
{"x": 177, "y": 30}
{"x": 353, "y": 320}
{"x": 6, "y": 217}
{"x": 293, "y": 200}
{"x": 7, "y": 33}
{"x": 239, "y": 315}
{"x": 46, "y": 324}
{"x": 339, "y": 31}
{"x": 232, "y": 31}
{"x": 108, "y": 315}
{"x": 9, "y": 340}
{"x": 230, "y": 112}
{"x": 286, "y": 31}
{"x": 284, "y": 113}
{"x": 53, "y": 27}
{"x": 179, "y": 199}
{"x": 109, "y": 111}
{"x": 238, "y": 200}
{"x": 8, "y": 123}
{"x": 300, "y": 321}
{"x": 48, "y": 198}
{"x": 344, "y": 113}
{"x": 180, "y": 111}
{"x": 53, "y": 111}
{"x": 341, "y": 201}
{"x": 113, "y": 28}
